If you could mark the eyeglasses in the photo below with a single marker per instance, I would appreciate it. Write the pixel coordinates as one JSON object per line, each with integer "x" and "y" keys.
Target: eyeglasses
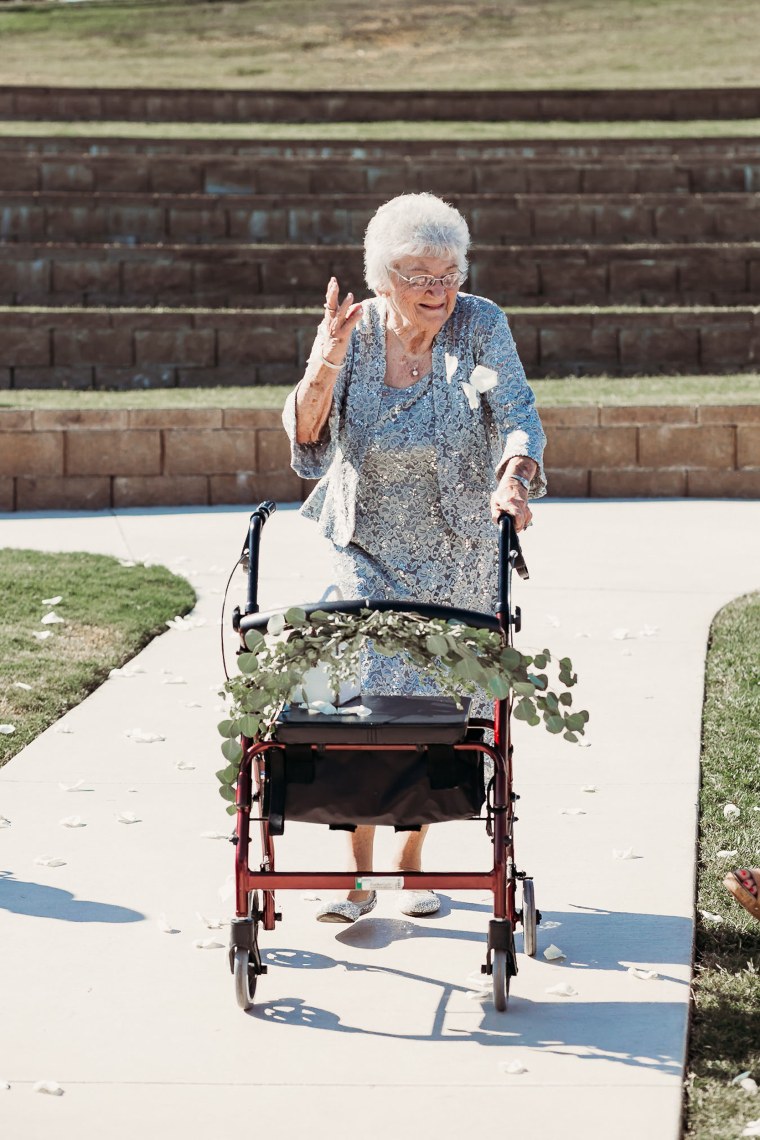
{"x": 423, "y": 281}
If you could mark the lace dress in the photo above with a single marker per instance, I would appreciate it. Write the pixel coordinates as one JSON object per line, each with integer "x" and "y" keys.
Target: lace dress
{"x": 402, "y": 545}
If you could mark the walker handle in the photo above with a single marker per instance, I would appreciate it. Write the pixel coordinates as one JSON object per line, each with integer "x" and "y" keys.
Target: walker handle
{"x": 510, "y": 558}
{"x": 251, "y": 548}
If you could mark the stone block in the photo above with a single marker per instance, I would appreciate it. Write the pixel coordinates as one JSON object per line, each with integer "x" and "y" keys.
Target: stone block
{"x": 175, "y": 418}
{"x": 569, "y": 415}
{"x": 252, "y": 419}
{"x": 31, "y": 453}
{"x": 167, "y": 176}
{"x": 136, "y": 378}
{"x": 725, "y": 484}
{"x": 748, "y": 445}
{"x": 93, "y": 346}
{"x": 562, "y": 221}
{"x": 689, "y": 221}
{"x": 219, "y": 376}
{"x": 7, "y": 493}
{"x": 282, "y": 486}
{"x": 258, "y": 345}
{"x": 188, "y": 347}
{"x": 159, "y": 277}
{"x": 729, "y": 413}
{"x": 267, "y": 224}
{"x": 591, "y": 447}
{"x": 273, "y": 450}
{"x": 675, "y": 445}
{"x": 570, "y": 348}
{"x": 343, "y": 178}
{"x": 22, "y": 221}
{"x": 726, "y": 342}
{"x": 567, "y": 483}
{"x": 501, "y": 224}
{"x": 66, "y": 493}
{"x": 90, "y": 452}
{"x": 623, "y": 221}
{"x": 653, "y": 350}
{"x": 553, "y": 178}
{"x": 85, "y": 276}
{"x": 53, "y": 377}
{"x": 635, "y": 276}
{"x": 188, "y": 223}
{"x": 189, "y": 452}
{"x": 638, "y": 482}
{"x": 61, "y": 419}
{"x": 62, "y": 172}
{"x": 22, "y": 346}
{"x": 648, "y": 414}
{"x": 133, "y": 223}
{"x": 160, "y": 490}
{"x": 126, "y": 174}
{"x": 16, "y": 419}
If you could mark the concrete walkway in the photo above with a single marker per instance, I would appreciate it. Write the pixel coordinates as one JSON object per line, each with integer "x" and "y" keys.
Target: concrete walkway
{"x": 380, "y": 1028}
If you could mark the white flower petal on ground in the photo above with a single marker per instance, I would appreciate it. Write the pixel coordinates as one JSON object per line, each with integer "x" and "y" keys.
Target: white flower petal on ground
{"x": 588, "y": 788}
{"x": 649, "y": 630}
{"x": 63, "y": 729}
{"x": 72, "y": 821}
{"x": 79, "y": 786}
{"x": 731, "y": 811}
{"x": 749, "y": 1086}
{"x": 740, "y": 1077}
{"x": 564, "y": 989}
{"x": 514, "y": 1068}
{"x": 212, "y": 923}
{"x": 752, "y": 1128}
{"x": 227, "y": 889}
{"x": 213, "y": 835}
{"x": 311, "y": 898}
{"x": 553, "y": 953}
{"x": 49, "y": 861}
{"x": 621, "y": 634}
{"x": 725, "y": 854}
{"x": 192, "y": 705}
{"x": 208, "y": 944}
{"x": 165, "y": 926}
{"x": 52, "y": 1088}
{"x": 22, "y": 685}
{"x": 127, "y": 563}
{"x": 623, "y": 853}
{"x": 643, "y": 975}
{"x": 582, "y": 633}
{"x": 185, "y": 623}
{"x": 174, "y": 681}
{"x": 709, "y": 917}
{"x": 552, "y": 619}
{"x": 4, "y": 1086}
{"x": 550, "y": 925}
{"x": 41, "y": 634}
{"x": 572, "y": 811}
{"x": 128, "y": 671}
{"x": 140, "y": 736}
{"x": 56, "y": 601}
{"x": 127, "y": 817}
{"x": 4, "y": 821}
{"x": 51, "y": 619}
{"x": 7, "y": 729}
{"x": 184, "y": 766}
{"x": 583, "y": 743}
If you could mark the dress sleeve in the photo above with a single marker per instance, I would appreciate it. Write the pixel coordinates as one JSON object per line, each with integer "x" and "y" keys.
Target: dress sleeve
{"x": 312, "y": 460}
{"x": 511, "y": 400}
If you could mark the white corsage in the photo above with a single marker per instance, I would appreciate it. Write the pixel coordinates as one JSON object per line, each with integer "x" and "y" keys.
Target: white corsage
{"x": 481, "y": 380}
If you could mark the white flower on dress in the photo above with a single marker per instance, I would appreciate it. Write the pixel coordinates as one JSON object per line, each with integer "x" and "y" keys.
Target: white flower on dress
{"x": 481, "y": 380}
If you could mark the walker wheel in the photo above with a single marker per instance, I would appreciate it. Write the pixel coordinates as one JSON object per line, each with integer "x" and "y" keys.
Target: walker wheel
{"x": 529, "y": 918}
{"x": 500, "y": 977}
{"x": 245, "y": 978}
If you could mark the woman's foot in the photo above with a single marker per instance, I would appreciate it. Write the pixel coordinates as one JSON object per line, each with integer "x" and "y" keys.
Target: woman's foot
{"x": 346, "y": 910}
{"x": 744, "y": 885}
{"x": 418, "y": 904}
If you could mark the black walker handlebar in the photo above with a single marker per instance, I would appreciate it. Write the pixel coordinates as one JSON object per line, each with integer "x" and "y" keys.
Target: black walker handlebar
{"x": 251, "y": 548}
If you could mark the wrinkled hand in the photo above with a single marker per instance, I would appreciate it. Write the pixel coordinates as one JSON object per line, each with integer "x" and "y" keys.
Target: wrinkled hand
{"x": 511, "y": 498}
{"x": 339, "y": 320}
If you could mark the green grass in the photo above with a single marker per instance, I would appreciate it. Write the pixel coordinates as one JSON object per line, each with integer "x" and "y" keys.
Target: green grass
{"x": 110, "y": 612}
{"x": 384, "y": 131}
{"x": 725, "y": 1039}
{"x": 450, "y": 44}
{"x": 742, "y": 388}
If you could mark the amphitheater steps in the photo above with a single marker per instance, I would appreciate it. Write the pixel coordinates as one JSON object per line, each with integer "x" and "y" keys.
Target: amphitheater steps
{"x": 233, "y": 276}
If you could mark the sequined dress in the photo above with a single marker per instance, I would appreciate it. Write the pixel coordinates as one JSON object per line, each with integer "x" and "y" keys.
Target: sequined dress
{"x": 402, "y": 545}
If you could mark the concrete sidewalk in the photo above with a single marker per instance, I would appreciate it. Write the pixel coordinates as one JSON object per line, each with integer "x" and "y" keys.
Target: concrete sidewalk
{"x": 381, "y": 1027}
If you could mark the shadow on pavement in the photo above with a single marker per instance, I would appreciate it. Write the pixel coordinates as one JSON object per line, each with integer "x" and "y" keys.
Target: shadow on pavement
{"x": 42, "y": 901}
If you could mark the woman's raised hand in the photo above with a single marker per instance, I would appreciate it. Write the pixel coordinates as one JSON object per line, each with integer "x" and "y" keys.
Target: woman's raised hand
{"x": 339, "y": 320}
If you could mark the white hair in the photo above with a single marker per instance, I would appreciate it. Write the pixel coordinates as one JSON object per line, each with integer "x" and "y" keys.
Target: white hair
{"x": 412, "y": 225}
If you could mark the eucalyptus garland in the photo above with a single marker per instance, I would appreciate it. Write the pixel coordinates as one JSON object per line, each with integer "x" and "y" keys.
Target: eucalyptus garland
{"x": 459, "y": 658}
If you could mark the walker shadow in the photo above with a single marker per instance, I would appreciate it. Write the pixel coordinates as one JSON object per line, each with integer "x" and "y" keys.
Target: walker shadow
{"x": 644, "y": 1034}
{"x": 42, "y": 901}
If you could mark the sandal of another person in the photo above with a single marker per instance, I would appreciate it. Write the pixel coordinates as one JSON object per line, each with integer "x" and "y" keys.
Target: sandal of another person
{"x": 345, "y": 910}
{"x": 418, "y": 904}
{"x": 744, "y": 885}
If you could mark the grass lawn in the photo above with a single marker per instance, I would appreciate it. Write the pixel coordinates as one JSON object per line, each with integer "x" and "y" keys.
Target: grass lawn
{"x": 742, "y": 388}
{"x": 449, "y": 44}
{"x": 383, "y": 131}
{"x": 109, "y": 612}
{"x": 725, "y": 1035}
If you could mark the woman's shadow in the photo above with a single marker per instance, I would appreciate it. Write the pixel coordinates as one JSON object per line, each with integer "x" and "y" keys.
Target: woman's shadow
{"x": 42, "y": 901}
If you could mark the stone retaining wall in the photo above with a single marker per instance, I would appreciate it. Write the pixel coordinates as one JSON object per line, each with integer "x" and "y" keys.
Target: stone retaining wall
{"x": 128, "y": 348}
{"x": 93, "y": 460}
{"x": 160, "y": 104}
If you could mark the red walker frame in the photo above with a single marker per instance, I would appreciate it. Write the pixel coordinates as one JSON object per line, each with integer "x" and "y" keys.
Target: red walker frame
{"x": 501, "y": 879}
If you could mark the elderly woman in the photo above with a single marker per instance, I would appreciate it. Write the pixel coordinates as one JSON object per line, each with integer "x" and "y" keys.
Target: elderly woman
{"x": 418, "y": 450}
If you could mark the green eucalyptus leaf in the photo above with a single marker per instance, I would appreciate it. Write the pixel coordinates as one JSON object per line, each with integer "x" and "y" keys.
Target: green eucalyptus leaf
{"x": 231, "y": 809}
{"x": 226, "y": 728}
{"x": 248, "y": 662}
{"x": 498, "y": 687}
{"x": 523, "y": 710}
{"x": 437, "y": 645}
{"x": 540, "y": 661}
{"x": 227, "y": 793}
{"x": 232, "y": 751}
{"x": 320, "y": 615}
{"x": 295, "y": 616}
{"x": 565, "y": 699}
{"x": 554, "y": 723}
{"x": 524, "y": 688}
{"x": 539, "y": 680}
{"x": 571, "y": 737}
{"x": 254, "y": 640}
{"x": 249, "y": 725}
{"x": 510, "y": 658}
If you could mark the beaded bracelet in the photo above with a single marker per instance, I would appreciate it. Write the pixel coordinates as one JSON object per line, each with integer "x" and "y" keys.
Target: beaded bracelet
{"x": 329, "y": 363}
